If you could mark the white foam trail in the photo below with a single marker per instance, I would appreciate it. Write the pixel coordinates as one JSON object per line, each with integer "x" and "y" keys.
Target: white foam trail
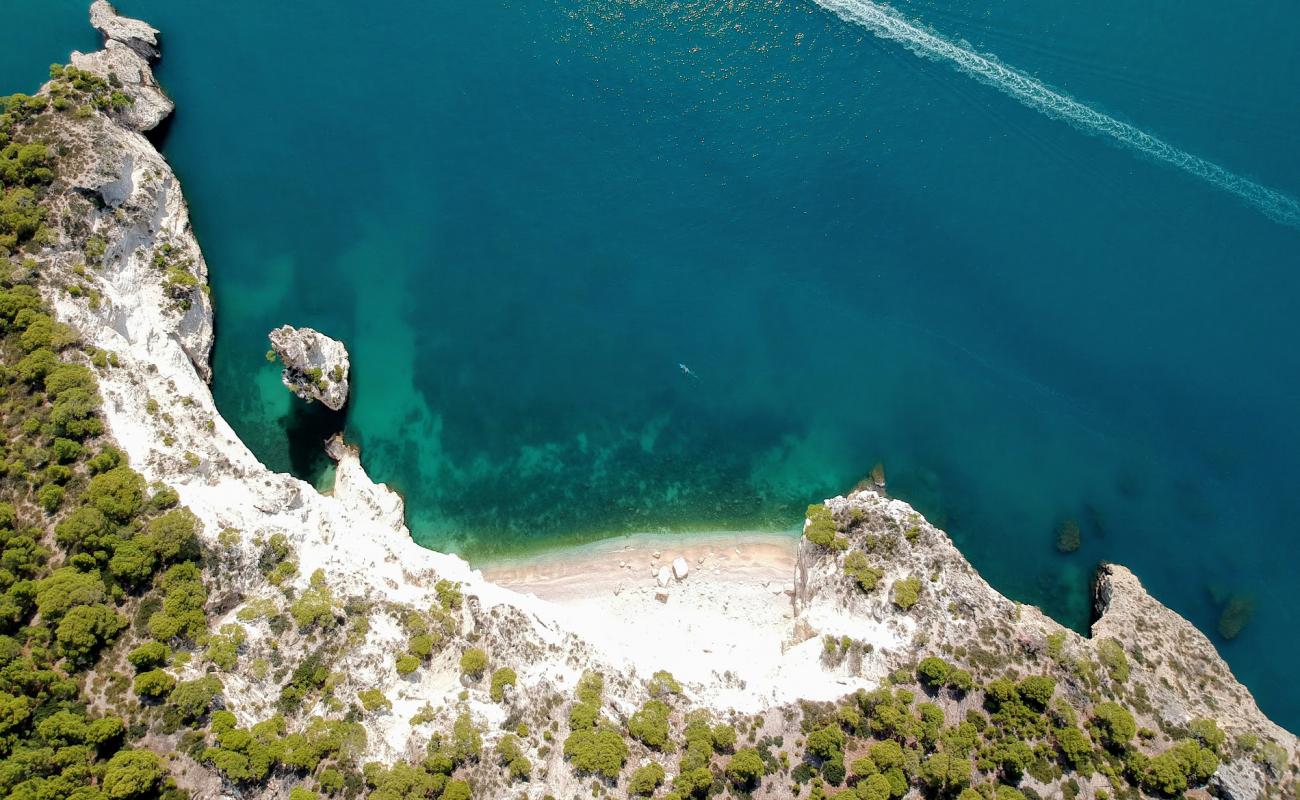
{"x": 887, "y": 23}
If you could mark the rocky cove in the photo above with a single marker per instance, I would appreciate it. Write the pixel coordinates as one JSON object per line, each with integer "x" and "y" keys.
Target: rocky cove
{"x": 456, "y": 686}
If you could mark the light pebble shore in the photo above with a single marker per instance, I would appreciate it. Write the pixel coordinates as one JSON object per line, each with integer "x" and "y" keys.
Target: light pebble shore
{"x": 734, "y": 609}
{"x": 633, "y": 561}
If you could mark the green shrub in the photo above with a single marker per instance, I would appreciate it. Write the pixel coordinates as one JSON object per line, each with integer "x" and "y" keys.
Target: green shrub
{"x": 131, "y": 774}
{"x": 906, "y": 592}
{"x": 599, "y": 752}
{"x": 456, "y": 790}
{"x": 645, "y": 780}
{"x": 1114, "y": 724}
{"x": 373, "y": 699}
{"x": 315, "y": 606}
{"x": 407, "y": 664}
{"x": 173, "y": 536}
{"x": 85, "y": 629}
{"x": 149, "y": 655}
{"x": 118, "y": 493}
{"x": 501, "y": 678}
{"x": 50, "y": 497}
{"x": 826, "y": 743}
{"x": 1207, "y": 732}
{"x": 154, "y": 684}
{"x": 583, "y": 716}
{"x": 191, "y": 700}
{"x": 820, "y": 528}
{"x": 745, "y": 769}
{"x": 663, "y": 683}
{"x": 511, "y": 754}
{"x": 946, "y": 774}
{"x": 723, "y": 736}
{"x": 1112, "y": 656}
{"x": 857, "y": 566}
{"x": 473, "y": 662}
{"x": 1185, "y": 765}
{"x": 878, "y": 787}
{"x": 960, "y": 680}
{"x": 933, "y": 672}
{"x": 449, "y": 595}
{"x": 1036, "y": 691}
{"x": 1075, "y": 748}
{"x": 649, "y": 725}
{"x": 223, "y": 647}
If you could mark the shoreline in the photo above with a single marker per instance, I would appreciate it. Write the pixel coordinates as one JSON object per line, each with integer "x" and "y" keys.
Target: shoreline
{"x": 633, "y": 561}
{"x": 734, "y": 604}
{"x": 666, "y": 541}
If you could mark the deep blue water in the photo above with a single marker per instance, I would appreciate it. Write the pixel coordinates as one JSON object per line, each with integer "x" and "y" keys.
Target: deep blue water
{"x": 523, "y": 214}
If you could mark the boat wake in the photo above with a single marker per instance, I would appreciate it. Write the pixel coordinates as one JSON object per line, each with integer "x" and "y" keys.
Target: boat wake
{"x": 887, "y": 23}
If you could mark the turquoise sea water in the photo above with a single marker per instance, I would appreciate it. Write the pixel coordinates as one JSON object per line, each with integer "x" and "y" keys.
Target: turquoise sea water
{"x": 521, "y": 215}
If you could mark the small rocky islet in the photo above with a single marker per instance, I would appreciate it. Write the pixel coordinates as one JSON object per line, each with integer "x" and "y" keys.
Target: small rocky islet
{"x": 177, "y": 620}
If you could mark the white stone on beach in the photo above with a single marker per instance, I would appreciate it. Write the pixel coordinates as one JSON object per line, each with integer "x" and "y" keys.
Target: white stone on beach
{"x": 680, "y": 568}
{"x": 664, "y": 576}
{"x": 661, "y": 596}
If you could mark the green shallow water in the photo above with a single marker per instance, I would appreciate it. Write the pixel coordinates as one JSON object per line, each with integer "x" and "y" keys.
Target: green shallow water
{"x": 521, "y": 215}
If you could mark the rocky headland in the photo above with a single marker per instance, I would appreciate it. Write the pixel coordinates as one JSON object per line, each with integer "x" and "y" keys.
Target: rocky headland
{"x": 339, "y": 658}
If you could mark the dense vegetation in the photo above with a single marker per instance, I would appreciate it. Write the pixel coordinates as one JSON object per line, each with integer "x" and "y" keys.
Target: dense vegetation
{"x": 92, "y": 557}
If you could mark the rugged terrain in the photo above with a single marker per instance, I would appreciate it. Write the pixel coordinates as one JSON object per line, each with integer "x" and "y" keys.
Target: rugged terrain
{"x": 322, "y": 612}
{"x": 315, "y": 366}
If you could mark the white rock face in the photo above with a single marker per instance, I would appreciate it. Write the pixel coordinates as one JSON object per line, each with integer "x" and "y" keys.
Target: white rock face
{"x": 680, "y": 568}
{"x": 664, "y": 576}
{"x": 141, "y": 37}
{"x": 315, "y": 366}
{"x": 129, "y": 46}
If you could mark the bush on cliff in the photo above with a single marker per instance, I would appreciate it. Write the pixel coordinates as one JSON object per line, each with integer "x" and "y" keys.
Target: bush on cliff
{"x": 820, "y": 528}
{"x": 858, "y": 567}
{"x": 745, "y": 769}
{"x": 473, "y": 662}
{"x": 906, "y": 592}
{"x": 649, "y": 725}
{"x": 645, "y": 780}
{"x": 1113, "y": 724}
{"x": 500, "y": 680}
{"x": 600, "y": 752}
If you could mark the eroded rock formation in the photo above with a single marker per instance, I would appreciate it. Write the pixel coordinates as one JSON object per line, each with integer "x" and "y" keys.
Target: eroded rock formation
{"x": 315, "y": 366}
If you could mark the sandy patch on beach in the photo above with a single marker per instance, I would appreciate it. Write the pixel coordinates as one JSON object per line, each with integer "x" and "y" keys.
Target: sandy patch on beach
{"x": 729, "y": 621}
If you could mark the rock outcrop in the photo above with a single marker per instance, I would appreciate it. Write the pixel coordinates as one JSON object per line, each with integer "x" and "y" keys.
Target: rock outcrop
{"x": 129, "y": 46}
{"x": 1139, "y": 651}
{"x": 140, "y": 36}
{"x": 119, "y": 210}
{"x": 315, "y": 366}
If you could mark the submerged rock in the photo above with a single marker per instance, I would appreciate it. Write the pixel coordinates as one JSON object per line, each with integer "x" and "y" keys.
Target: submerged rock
{"x": 315, "y": 366}
{"x": 1068, "y": 537}
{"x": 1236, "y": 616}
